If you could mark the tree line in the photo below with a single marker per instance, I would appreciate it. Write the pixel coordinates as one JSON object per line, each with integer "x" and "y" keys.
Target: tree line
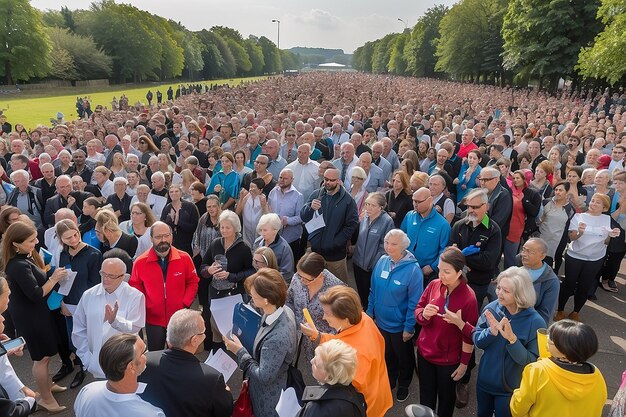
{"x": 508, "y": 42}
{"x": 123, "y": 43}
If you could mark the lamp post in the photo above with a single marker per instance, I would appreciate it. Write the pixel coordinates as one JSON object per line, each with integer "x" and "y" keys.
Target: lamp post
{"x": 406, "y": 25}
{"x": 278, "y": 37}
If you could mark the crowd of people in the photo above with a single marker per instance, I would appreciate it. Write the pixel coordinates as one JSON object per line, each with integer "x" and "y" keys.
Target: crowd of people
{"x": 415, "y": 220}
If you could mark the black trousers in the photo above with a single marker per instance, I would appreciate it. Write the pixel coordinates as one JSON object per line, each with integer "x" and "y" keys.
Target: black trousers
{"x": 63, "y": 340}
{"x": 363, "y": 281}
{"x": 579, "y": 280}
{"x": 437, "y": 388}
{"x": 400, "y": 359}
{"x": 611, "y": 266}
{"x": 297, "y": 248}
{"x": 156, "y": 337}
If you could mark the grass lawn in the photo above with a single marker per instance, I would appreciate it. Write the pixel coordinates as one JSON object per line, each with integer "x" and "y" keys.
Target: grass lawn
{"x": 32, "y": 108}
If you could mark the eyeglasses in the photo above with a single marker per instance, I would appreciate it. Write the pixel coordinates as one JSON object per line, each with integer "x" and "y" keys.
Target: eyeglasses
{"x": 109, "y": 276}
{"x": 528, "y": 251}
{"x": 486, "y": 179}
{"x": 306, "y": 279}
{"x": 161, "y": 237}
{"x": 138, "y": 213}
{"x": 260, "y": 162}
{"x": 475, "y": 207}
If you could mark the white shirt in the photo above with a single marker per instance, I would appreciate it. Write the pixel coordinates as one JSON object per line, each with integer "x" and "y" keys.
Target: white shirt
{"x": 305, "y": 177}
{"x": 95, "y": 400}
{"x": 107, "y": 189}
{"x": 53, "y": 244}
{"x": 9, "y": 380}
{"x": 590, "y": 245}
{"x": 91, "y": 330}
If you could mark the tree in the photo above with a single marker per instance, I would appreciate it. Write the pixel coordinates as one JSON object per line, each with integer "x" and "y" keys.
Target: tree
{"x": 193, "y": 49}
{"x": 24, "y": 44}
{"x": 397, "y": 63}
{"x": 601, "y": 60}
{"x": 86, "y": 60}
{"x": 68, "y": 18}
{"x": 271, "y": 56}
{"x": 382, "y": 53}
{"x": 241, "y": 56}
{"x": 255, "y": 53}
{"x": 362, "y": 57}
{"x": 172, "y": 54}
{"x": 419, "y": 51}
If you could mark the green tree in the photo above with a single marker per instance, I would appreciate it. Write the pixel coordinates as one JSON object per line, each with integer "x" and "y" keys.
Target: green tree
{"x": 255, "y": 53}
{"x": 362, "y": 57}
{"x": 172, "y": 55}
{"x": 382, "y": 53}
{"x": 289, "y": 60}
{"x": 86, "y": 59}
{"x": 68, "y": 18}
{"x": 241, "y": 56}
{"x": 53, "y": 18}
{"x": 271, "y": 56}
{"x": 397, "y": 63}
{"x": 601, "y": 60}
{"x": 193, "y": 49}
{"x": 24, "y": 44}
{"x": 419, "y": 51}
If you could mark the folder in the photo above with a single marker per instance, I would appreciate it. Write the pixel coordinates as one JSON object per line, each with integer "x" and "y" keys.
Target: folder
{"x": 246, "y": 324}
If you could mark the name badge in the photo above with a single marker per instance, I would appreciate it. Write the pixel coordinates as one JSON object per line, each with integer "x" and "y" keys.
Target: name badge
{"x": 384, "y": 274}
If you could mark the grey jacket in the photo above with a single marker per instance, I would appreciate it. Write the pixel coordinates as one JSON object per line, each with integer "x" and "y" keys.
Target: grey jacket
{"x": 283, "y": 252}
{"x": 369, "y": 244}
{"x": 274, "y": 349}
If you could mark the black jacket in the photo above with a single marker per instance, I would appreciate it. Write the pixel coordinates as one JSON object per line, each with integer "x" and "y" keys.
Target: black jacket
{"x": 187, "y": 223}
{"x": 239, "y": 256}
{"x": 126, "y": 242}
{"x": 332, "y": 401}
{"x": 181, "y": 385}
{"x": 57, "y": 202}
{"x": 501, "y": 208}
{"x": 34, "y": 197}
{"x": 532, "y": 204}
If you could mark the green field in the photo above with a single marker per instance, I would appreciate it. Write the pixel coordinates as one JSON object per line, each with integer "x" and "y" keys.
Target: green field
{"x": 32, "y": 108}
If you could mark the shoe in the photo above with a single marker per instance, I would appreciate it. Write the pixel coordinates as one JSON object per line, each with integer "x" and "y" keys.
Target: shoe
{"x": 592, "y": 297}
{"x": 78, "y": 378}
{"x": 57, "y": 388}
{"x": 51, "y": 409}
{"x": 612, "y": 286}
{"x": 605, "y": 286}
{"x": 574, "y": 316}
{"x": 63, "y": 372}
{"x": 560, "y": 315}
{"x": 462, "y": 394}
{"x": 402, "y": 394}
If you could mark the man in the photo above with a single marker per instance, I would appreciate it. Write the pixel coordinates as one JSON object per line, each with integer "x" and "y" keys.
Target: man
{"x": 325, "y": 146}
{"x": 27, "y": 198}
{"x": 340, "y": 218}
{"x": 167, "y": 278}
{"x": 289, "y": 149}
{"x": 359, "y": 147}
{"x": 305, "y": 170}
{"x": 260, "y": 171}
{"x": 380, "y": 161}
{"x": 202, "y": 152}
{"x": 467, "y": 143}
{"x": 111, "y": 307}
{"x": 109, "y": 233}
{"x": 428, "y": 232}
{"x": 78, "y": 184}
{"x": 338, "y": 136}
{"x": 103, "y": 185}
{"x": 500, "y": 200}
{"x": 65, "y": 198}
{"x": 127, "y": 147}
{"x": 120, "y": 200}
{"x": 286, "y": 201}
{"x": 122, "y": 359}
{"x": 112, "y": 146}
{"x": 534, "y": 150}
{"x": 276, "y": 162}
{"x": 345, "y": 164}
{"x": 178, "y": 382}
{"x": 389, "y": 154}
{"x": 441, "y": 203}
{"x": 617, "y": 159}
{"x": 375, "y": 180}
{"x": 47, "y": 183}
{"x": 545, "y": 281}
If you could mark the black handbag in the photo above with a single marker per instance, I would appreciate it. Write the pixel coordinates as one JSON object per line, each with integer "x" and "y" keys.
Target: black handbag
{"x": 294, "y": 376}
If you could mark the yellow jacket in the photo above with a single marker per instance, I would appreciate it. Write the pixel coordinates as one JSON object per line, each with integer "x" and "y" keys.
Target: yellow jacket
{"x": 549, "y": 390}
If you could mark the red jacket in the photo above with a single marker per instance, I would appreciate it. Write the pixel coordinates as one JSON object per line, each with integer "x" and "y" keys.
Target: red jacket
{"x": 178, "y": 292}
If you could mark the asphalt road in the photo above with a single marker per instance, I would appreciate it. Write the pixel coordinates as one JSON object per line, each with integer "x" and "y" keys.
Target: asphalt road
{"x": 607, "y": 315}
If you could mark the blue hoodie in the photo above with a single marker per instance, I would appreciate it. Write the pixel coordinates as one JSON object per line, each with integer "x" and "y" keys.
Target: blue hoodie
{"x": 394, "y": 293}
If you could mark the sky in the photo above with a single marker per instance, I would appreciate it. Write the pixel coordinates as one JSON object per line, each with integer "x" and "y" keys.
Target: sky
{"x": 345, "y": 24}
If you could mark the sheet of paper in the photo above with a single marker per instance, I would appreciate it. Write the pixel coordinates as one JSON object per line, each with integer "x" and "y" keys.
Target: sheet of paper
{"x": 66, "y": 285}
{"x": 288, "y": 403}
{"x": 222, "y": 311}
{"x": 222, "y": 363}
{"x": 141, "y": 387}
{"x": 317, "y": 222}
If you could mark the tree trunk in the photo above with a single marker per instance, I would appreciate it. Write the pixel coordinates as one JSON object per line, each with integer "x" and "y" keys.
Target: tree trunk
{"x": 8, "y": 74}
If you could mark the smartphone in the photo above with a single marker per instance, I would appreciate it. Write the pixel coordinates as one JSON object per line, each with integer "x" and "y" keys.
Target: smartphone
{"x": 13, "y": 344}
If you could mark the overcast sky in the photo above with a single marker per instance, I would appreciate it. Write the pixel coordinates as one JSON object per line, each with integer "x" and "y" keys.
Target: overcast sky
{"x": 328, "y": 24}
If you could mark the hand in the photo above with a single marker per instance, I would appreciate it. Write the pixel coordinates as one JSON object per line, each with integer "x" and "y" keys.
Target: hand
{"x": 316, "y": 204}
{"x": 392, "y": 214}
{"x": 454, "y": 318}
{"x": 470, "y": 250}
{"x": 494, "y": 325}
{"x": 70, "y": 201}
{"x": 29, "y": 392}
{"x": 18, "y": 351}
{"x": 456, "y": 181}
{"x": 263, "y": 199}
{"x": 429, "y": 311}
{"x": 459, "y": 372}
{"x": 506, "y": 331}
{"x": 614, "y": 232}
{"x": 284, "y": 220}
{"x": 309, "y": 330}
{"x": 406, "y": 336}
{"x": 222, "y": 275}
{"x": 59, "y": 274}
{"x": 213, "y": 269}
{"x": 242, "y": 194}
{"x": 217, "y": 188}
{"x": 581, "y": 228}
{"x": 110, "y": 313}
{"x": 65, "y": 311}
{"x": 4, "y": 337}
{"x": 232, "y": 343}
{"x": 427, "y": 270}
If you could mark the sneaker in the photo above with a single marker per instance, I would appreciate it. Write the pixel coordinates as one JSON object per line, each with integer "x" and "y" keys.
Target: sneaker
{"x": 462, "y": 394}
{"x": 402, "y": 394}
{"x": 612, "y": 286}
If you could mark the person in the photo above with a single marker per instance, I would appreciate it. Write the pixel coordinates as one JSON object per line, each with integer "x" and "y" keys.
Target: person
{"x": 252, "y": 205}
{"x": 10, "y": 384}
{"x": 553, "y": 221}
{"x": 500, "y": 200}
{"x": 225, "y": 183}
{"x": 343, "y": 312}
{"x": 468, "y": 176}
{"x": 112, "y": 307}
{"x": 167, "y": 278}
{"x": 264, "y": 257}
{"x": 564, "y": 384}
{"x": 274, "y": 345}
{"x": 397, "y": 284}
{"x": 507, "y": 334}
{"x": 441, "y": 202}
{"x": 85, "y": 260}
{"x": 304, "y": 169}
{"x": 616, "y": 250}
{"x": 123, "y": 359}
{"x": 340, "y": 218}
{"x": 141, "y": 219}
{"x": 268, "y": 227}
{"x": 369, "y": 244}
{"x": 65, "y": 198}
{"x": 544, "y": 280}
{"x": 286, "y": 201}
{"x": 358, "y": 192}
{"x": 207, "y": 229}
{"x": 28, "y": 308}
{"x": 177, "y": 382}
{"x": 334, "y": 367}
{"x": 27, "y": 198}
{"x": 109, "y": 233}
{"x": 399, "y": 197}
{"x": 182, "y": 217}
{"x": 444, "y": 350}
{"x": 120, "y": 200}
{"x": 87, "y": 224}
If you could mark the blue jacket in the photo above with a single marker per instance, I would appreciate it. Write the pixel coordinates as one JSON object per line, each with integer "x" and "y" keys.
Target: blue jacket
{"x": 502, "y": 363}
{"x": 394, "y": 293}
{"x": 429, "y": 236}
{"x": 547, "y": 289}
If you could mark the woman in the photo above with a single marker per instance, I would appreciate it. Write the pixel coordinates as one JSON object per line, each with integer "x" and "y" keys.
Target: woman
{"x": 147, "y": 148}
{"x": 8, "y": 216}
{"x": 422, "y": 154}
{"x": 274, "y": 345}
{"x": 564, "y": 384}
{"x": 589, "y": 234}
{"x": 268, "y": 227}
{"x": 555, "y": 157}
{"x": 223, "y": 282}
{"x": 343, "y": 312}
{"x": 616, "y": 250}
{"x": 28, "y": 308}
{"x": 444, "y": 351}
{"x": 418, "y": 180}
{"x": 524, "y": 160}
{"x": 588, "y": 175}
{"x": 182, "y": 217}
{"x": 334, "y": 367}
{"x": 577, "y": 193}
{"x": 187, "y": 179}
{"x": 553, "y": 222}
{"x": 507, "y": 333}
{"x": 468, "y": 176}
{"x": 208, "y": 227}
{"x": 542, "y": 183}
{"x": 118, "y": 165}
{"x": 399, "y": 198}
{"x": 526, "y": 205}
{"x": 602, "y": 182}
{"x": 141, "y": 219}
{"x": 264, "y": 257}
{"x": 357, "y": 190}
{"x": 397, "y": 284}
{"x": 87, "y": 220}
{"x": 215, "y": 163}
{"x": 165, "y": 163}
{"x": 65, "y": 168}
{"x": 79, "y": 257}
{"x": 310, "y": 281}
{"x": 166, "y": 148}
{"x": 198, "y": 196}
{"x": 373, "y": 228}
{"x": 252, "y": 205}
{"x": 240, "y": 165}
{"x": 568, "y": 161}
{"x": 225, "y": 183}
{"x": 431, "y": 155}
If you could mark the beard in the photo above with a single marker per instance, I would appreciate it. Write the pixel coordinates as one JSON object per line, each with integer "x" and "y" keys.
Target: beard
{"x": 162, "y": 247}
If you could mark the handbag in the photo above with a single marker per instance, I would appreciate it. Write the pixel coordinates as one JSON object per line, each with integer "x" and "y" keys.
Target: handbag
{"x": 294, "y": 376}
{"x": 243, "y": 405}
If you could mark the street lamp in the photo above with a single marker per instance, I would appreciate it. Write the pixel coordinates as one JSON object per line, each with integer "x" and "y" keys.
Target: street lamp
{"x": 278, "y": 37}
{"x": 406, "y": 25}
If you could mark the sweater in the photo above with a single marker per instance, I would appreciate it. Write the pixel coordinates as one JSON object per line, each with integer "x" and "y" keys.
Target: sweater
{"x": 369, "y": 245}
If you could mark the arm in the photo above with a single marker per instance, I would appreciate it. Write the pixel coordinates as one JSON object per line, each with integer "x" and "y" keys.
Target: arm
{"x": 421, "y": 305}
{"x": 306, "y": 213}
{"x": 94, "y": 269}
{"x": 483, "y": 336}
{"x": 415, "y": 290}
{"x": 222, "y": 398}
{"x": 488, "y": 256}
{"x": 444, "y": 237}
{"x": 531, "y": 202}
{"x": 136, "y": 318}
{"x": 135, "y": 281}
{"x": 191, "y": 283}
{"x": 525, "y": 396}
{"x": 272, "y": 355}
{"x": 188, "y": 218}
{"x": 520, "y": 353}
{"x": 79, "y": 334}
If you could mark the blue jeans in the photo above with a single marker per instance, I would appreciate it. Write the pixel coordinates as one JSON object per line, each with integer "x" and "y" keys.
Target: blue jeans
{"x": 488, "y": 403}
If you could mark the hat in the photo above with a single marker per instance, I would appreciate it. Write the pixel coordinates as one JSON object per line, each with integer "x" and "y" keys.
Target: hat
{"x": 59, "y": 115}
{"x": 604, "y": 161}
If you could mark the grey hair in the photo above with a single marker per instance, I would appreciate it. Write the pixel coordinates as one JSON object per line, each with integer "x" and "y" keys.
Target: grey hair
{"x": 21, "y": 172}
{"x": 493, "y": 172}
{"x": 539, "y": 241}
{"x": 157, "y": 174}
{"x": 232, "y": 218}
{"x": 182, "y": 327}
{"x": 271, "y": 219}
{"x": 523, "y": 290}
{"x": 399, "y": 233}
{"x": 480, "y": 193}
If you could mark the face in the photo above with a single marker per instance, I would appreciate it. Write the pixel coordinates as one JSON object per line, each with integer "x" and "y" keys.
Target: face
{"x": 139, "y": 363}
{"x": 64, "y": 186}
{"x": 397, "y": 183}
{"x": 112, "y": 275}
{"x": 28, "y": 245}
{"x": 472, "y": 159}
{"x": 560, "y": 193}
{"x": 226, "y": 229}
{"x": 258, "y": 261}
{"x": 393, "y": 246}
{"x": 436, "y": 186}
{"x": 260, "y": 163}
{"x": 422, "y": 201}
{"x": 596, "y": 205}
{"x": 476, "y": 210}
{"x": 334, "y": 322}
{"x": 572, "y": 177}
{"x": 601, "y": 179}
{"x": 331, "y": 180}
{"x": 212, "y": 207}
{"x": 316, "y": 369}
{"x": 447, "y": 274}
{"x": 71, "y": 238}
{"x": 531, "y": 254}
{"x": 504, "y": 291}
{"x": 174, "y": 193}
{"x": 20, "y": 181}
{"x": 268, "y": 233}
{"x": 79, "y": 158}
{"x": 161, "y": 238}
{"x": 518, "y": 181}
{"x": 158, "y": 183}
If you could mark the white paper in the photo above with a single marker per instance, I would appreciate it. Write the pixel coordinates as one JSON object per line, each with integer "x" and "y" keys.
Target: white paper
{"x": 288, "y": 405}
{"x": 222, "y": 311}
{"x": 159, "y": 204}
{"x": 222, "y": 363}
{"x": 141, "y": 387}
{"x": 317, "y": 222}
{"x": 66, "y": 285}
